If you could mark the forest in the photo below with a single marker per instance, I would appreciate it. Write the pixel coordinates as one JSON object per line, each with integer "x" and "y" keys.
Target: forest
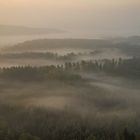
{"x": 18, "y": 122}
{"x": 129, "y": 68}
{"x": 70, "y": 89}
{"x": 69, "y": 70}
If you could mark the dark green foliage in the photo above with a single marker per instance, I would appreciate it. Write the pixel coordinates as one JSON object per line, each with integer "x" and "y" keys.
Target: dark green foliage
{"x": 26, "y": 136}
{"x": 128, "y": 135}
{"x": 18, "y": 123}
{"x": 127, "y": 68}
{"x": 40, "y": 55}
{"x": 29, "y": 73}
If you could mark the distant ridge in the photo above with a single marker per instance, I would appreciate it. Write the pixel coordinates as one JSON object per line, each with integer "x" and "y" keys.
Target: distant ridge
{"x": 6, "y": 30}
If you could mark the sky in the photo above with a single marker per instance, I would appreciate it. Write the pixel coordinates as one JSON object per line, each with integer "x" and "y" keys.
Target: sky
{"x": 100, "y": 16}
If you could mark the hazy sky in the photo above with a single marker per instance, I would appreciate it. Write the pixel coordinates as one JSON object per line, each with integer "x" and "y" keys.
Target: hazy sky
{"x": 93, "y": 15}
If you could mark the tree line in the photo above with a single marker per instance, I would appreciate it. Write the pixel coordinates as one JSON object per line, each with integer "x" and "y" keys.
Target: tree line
{"x": 68, "y": 71}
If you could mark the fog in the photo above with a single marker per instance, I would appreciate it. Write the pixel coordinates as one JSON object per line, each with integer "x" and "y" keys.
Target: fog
{"x": 98, "y": 93}
{"x": 104, "y": 96}
{"x": 69, "y": 70}
{"x": 90, "y": 82}
{"x": 37, "y": 52}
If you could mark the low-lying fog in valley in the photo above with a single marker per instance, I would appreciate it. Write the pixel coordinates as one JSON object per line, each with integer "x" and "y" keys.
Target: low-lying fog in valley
{"x": 69, "y": 70}
{"x": 102, "y": 93}
{"x": 96, "y": 79}
{"x": 74, "y": 50}
{"x": 102, "y": 96}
